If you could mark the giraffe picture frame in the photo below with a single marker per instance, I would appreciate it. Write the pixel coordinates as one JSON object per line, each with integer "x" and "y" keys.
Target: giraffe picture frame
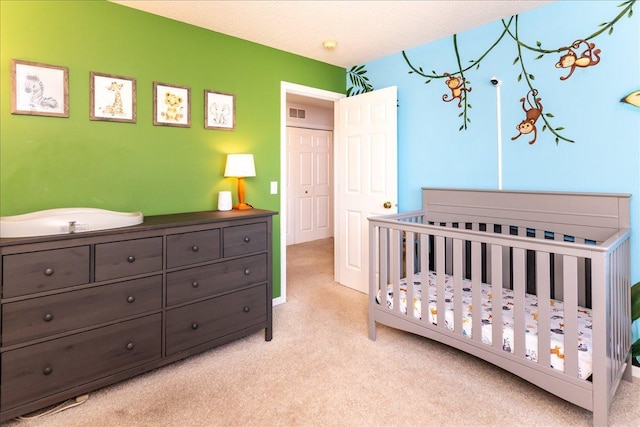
{"x": 113, "y": 98}
{"x": 39, "y": 89}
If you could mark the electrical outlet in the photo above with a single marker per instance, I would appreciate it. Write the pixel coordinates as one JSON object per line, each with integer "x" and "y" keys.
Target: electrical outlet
{"x": 274, "y": 187}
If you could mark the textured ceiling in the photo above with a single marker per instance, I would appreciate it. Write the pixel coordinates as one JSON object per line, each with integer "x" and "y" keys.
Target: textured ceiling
{"x": 364, "y": 30}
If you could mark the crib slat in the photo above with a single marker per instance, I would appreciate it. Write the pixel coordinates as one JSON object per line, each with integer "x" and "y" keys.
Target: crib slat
{"x": 409, "y": 268}
{"x": 476, "y": 290}
{"x": 440, "y": 271}
{"x": 448, "y": 247}
{"x": 614, "y": 329}
{"x": 519, "y": 286}
{"x": 383, "y": 266}
{"x": 424, "y": 260}
{"x": 570, "y": 278}
{"x": 424, "y": 276}
{"x": 496, "y": 300}
{"x": 543, "y": 284}
{"x": 458, "y": 256}
{"x": 396, "y": 251}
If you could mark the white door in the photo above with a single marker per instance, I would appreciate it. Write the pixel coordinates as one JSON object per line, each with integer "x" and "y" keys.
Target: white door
{"x": 310, "y": 184}
{"x": 366, "y": 178}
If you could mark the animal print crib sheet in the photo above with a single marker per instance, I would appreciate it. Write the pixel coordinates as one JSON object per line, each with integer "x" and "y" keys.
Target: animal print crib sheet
{"x": 531, "y": 310}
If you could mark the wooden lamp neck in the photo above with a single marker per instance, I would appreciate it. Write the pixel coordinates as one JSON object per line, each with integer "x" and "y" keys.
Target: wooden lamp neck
{"x": 241, "y": 200}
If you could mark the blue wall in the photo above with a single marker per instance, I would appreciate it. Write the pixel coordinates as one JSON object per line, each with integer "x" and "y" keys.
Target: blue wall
{"x": 605, "y": 154}
{"x": 584, "y": 108}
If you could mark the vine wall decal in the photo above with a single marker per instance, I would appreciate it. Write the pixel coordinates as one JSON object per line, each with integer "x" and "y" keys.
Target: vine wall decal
{"x": 459, "y": 85}
{"x": 359, "y": 81}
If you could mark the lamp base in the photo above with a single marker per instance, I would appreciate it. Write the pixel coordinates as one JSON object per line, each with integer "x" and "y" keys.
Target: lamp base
{"x": 242, "y": 206}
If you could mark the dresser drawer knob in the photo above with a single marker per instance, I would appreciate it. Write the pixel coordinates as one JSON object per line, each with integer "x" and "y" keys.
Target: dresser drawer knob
{"x": 247, "y": 272}
{"x": 130, "y": 346}
{"x": 48, "y": 271}
{"x": 48, "y": 317}
{"x": 131, "y": 258}
{"x": 194, "y": 325}
{"x": 247, "y": 239}
{"x": 195, "y": 248}
{"x": 195, "y": 284}
{"x": 246, "y": 309}
{"x": 131, "y": 299}
{"x": 47, "y": 370}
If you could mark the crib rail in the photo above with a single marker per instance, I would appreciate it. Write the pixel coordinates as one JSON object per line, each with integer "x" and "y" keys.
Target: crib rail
{"x": 576, "y": 270}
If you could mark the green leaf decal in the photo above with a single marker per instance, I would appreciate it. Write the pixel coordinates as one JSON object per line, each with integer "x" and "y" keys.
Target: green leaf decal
{"x": 635, "y": 302}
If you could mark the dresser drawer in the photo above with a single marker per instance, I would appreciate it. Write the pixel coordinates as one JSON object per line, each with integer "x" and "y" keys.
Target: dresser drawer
{"x": 244, "y": 239}
{"x": 37, "y": 371}
{"x": 198, "y": 282}
{"x": 204, "y": 321}
{"x": 40, "y": 271}
{"x": 39, "y": 317}
{"x": 127, "y": 258}
{"x": 191, "y": 248}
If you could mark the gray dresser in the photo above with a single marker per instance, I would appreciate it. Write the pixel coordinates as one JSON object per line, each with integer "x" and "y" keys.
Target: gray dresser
{"x": 81, "y": 311}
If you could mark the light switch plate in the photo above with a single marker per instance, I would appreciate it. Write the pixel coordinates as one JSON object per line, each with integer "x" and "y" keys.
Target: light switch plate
{"x": 274, "y": 187}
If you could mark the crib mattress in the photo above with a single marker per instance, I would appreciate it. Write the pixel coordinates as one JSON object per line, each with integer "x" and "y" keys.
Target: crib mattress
{"x": 531, "y": 303}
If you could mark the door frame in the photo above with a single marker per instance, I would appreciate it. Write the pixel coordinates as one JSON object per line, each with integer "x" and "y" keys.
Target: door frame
{"x": 309, "y": 92}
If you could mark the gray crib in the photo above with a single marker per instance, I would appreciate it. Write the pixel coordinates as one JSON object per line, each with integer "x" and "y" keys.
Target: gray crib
{"x": 521, "y": 256}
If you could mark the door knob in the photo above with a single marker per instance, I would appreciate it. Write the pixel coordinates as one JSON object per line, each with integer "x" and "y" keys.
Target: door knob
{"x": 387, "y": 205}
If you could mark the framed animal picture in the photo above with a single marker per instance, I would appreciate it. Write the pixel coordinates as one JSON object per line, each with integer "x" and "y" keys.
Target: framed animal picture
{"x": 219, "y": 110}
{"x": 171, "y": 105}
{"x": 39, "y": 89}
{"x": 113, "y": 98}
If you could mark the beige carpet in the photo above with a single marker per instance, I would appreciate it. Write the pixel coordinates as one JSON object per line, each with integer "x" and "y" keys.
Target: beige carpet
{"x": 322, "y": 370}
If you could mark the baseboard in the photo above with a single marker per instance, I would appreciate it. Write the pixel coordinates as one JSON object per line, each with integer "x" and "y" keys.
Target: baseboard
{"x": 279, "y": 300}
{"x": 635, "y": 371}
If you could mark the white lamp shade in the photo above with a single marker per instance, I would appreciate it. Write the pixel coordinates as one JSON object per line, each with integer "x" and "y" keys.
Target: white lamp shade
{"x": 240, "y": 165}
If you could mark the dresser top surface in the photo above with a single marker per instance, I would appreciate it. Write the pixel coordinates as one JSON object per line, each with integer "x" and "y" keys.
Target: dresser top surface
{"x": 151, "y": 223}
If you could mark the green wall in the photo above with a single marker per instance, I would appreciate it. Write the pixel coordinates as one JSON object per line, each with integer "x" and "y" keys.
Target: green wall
{"x": 49, "y": 162}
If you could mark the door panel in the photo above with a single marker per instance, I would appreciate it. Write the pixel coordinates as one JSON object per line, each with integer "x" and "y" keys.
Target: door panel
{"x": 310, "y": 185}
{"x": 366, "y": 177}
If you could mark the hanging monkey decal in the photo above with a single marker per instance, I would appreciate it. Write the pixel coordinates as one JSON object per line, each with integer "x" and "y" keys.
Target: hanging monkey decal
{"x": 532, "y": 114}
{"x": 457, "y": 87}
{"x": 589, "y": 57}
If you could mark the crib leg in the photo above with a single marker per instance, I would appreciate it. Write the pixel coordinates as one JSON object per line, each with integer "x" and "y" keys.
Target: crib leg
{"x": 600, "y": 417}
{"x": 628, "y": 371}
{"x": 372, "y": 328}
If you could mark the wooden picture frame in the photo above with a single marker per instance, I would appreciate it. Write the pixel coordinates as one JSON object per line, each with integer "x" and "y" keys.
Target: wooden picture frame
{"x": 171, "y": 105}
{"x": 113, "y": 98}
{"x": 39, "y": 89}
{"x": 219, "y": 110}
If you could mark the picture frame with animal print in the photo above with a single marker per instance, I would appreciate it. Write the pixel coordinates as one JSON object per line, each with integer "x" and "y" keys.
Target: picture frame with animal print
{"x": 219, "y": 110}
{"x": 171, "y": 105}
{"x": 39, "y": 89}
{"x": 113, "y": 98}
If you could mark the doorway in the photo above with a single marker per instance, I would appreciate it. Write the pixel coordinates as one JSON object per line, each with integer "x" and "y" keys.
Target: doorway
{"x": 308, "y": 95}
{"x": 309, "y": 191}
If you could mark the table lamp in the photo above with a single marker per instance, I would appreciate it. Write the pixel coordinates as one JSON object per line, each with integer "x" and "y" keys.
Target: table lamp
{"x": 240, "y": 166}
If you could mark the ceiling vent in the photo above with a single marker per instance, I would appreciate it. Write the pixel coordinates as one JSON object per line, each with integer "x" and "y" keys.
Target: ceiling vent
{"x": 296, "y": 113}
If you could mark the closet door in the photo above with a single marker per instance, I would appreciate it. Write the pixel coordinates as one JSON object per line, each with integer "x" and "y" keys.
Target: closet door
{"x": 310, "y": 195}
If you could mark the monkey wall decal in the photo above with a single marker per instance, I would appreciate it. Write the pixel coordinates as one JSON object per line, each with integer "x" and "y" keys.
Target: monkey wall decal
{"x": 589, "y": 57}
{"x": 532, "y": 114}
{"x": 457, "y": 87}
